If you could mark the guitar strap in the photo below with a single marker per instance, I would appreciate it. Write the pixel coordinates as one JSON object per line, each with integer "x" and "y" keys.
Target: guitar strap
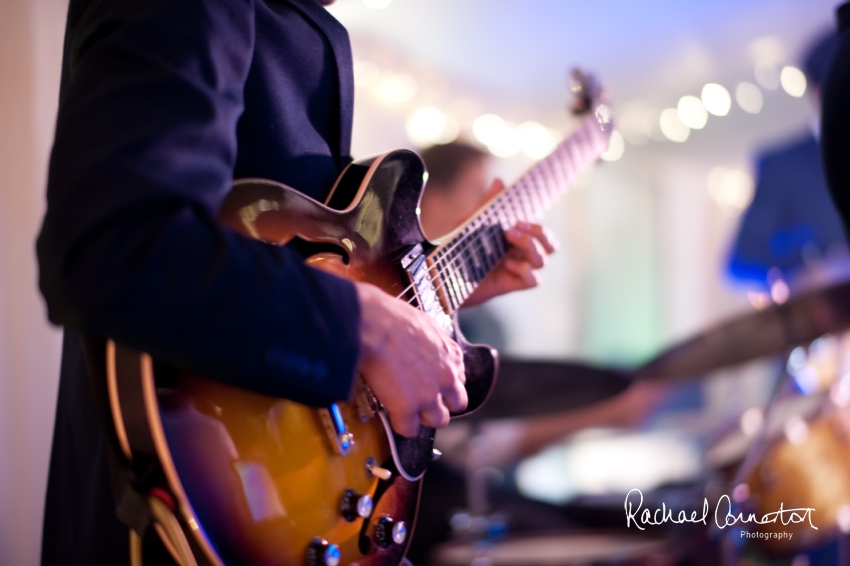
{"x": 125, "y": 479}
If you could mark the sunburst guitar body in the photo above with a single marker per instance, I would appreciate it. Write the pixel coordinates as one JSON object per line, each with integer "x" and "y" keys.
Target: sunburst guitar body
{"x": 233, "y": 477}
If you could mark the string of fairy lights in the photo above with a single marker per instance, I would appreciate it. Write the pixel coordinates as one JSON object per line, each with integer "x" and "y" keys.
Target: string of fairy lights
{"x": 429, "y": 122}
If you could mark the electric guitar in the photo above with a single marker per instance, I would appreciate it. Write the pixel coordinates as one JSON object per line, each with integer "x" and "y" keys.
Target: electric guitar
{"x": 242, "y": 478}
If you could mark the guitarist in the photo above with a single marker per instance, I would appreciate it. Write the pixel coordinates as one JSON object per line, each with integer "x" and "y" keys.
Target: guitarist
{"x": 163, "y": 103}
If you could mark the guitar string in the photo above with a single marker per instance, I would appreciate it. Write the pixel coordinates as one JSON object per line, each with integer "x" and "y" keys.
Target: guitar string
{"x": 572, "y": 147}
{"x": 459, "y": 293}
{"x": 457, "y": 261}
{"x": 528, "y": 186}
{"x": 446, "y": 259}
{"x": 464, "y": 240}
{"x": 491, "y": 213}
{"x": 453, "y": 256}
{"x": 531, "y": 186}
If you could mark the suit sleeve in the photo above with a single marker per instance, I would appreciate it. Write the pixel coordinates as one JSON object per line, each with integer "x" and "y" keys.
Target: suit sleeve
{"x": 143, "y": 157}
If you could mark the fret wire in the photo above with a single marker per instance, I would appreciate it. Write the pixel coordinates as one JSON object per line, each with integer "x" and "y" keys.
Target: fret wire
{"x": 536, "y": 185}
{"x": 499, "y": 212}
{"x": 528, "y": 200}
{"x": 505, "y": 215}
{"x": 444, "y": 275}
{"x": 570, "y": 171}
{"x": 508, "y": 216}
{"x": 536, "y": 198}
{"x": 508, "y": 210}
{"x": 441, "y": 275}
{"x": 451, "y": 292}
{"x": 460, "y": 279}
{"x": 575, "y": 150}
{"x": 522, "y": 210}
{"x": 551, "y": 184}
{"x": 466, "y": 266}
{"x": 519, "y": 205}
{"x": 564, "y": 170}
{"x": 522, "y": 205}
{"x": 561, "y": 163}
{"x": 532, "y": 203}
{"x": 454, "y": 300}
{"x": 449, "y": 272}
{"x": 456, "y": 284}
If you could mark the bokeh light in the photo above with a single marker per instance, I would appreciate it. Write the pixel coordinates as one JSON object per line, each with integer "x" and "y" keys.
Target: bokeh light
{"x": 535, "y": 139}
{"x": 499, "y": 136}
{"x": 731, "y": 188}
{"x": 796, "y": 430}
{"x": 767, "y": 48}
{"x": 749, "y": 98}
{"x": 672, "y": 127}
{"x": 767, "y": 74}
{"x": 752, "y": 421}
{"x": 716, "y": 99}
{"x": 635, "y": 127}
{"x": 691, "y": 112}
{"x": 430, "y": 125}
{"x": 616, "y": 147}
{"x": 394, "y": 87}
{"x": 793, "y": 81}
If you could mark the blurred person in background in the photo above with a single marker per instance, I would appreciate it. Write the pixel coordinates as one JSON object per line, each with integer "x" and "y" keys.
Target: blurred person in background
{"x": 458, "y": 185}
{"x": 791, "y": 234}
{"x": 791, "y": 240}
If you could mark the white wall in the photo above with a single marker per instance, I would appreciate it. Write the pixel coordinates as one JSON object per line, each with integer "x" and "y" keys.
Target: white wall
{"x": 31, "y": 33}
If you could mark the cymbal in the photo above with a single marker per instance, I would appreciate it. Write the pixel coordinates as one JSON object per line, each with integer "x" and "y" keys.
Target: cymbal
{"x": 533, "y": 388}
{"x": 800, "y": 320}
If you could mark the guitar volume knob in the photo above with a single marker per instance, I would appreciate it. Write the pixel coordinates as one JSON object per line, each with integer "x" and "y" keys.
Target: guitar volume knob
{"x": 322, "y": 553}
{"x": 354, "y": 505}
{"x": 389, "y": 532}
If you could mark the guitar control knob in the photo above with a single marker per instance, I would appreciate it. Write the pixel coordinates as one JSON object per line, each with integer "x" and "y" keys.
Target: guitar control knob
{"x": 322, "y": 553}
{"x": 354, "y": 505}
{"x": 389, "y": 532}
{"x": 373, "y": 470}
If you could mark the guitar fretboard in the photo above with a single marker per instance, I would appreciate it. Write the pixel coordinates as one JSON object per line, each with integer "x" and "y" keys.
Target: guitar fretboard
{"x": 460, "y": 264}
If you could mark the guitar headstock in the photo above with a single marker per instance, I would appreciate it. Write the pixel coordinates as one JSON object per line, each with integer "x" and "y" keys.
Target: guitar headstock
{"x": 589, "y": 96}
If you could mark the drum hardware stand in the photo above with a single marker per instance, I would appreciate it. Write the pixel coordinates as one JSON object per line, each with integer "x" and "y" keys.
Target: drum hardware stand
{"x": 731, "y": 540}
{"x": 476, "y": 521}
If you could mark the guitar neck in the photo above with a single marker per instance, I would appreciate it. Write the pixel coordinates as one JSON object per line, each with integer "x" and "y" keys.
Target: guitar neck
{"x": 473, "y": 251}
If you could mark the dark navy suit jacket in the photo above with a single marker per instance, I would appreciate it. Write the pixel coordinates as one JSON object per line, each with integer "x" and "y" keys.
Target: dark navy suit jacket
{"x": 163, "y": 104}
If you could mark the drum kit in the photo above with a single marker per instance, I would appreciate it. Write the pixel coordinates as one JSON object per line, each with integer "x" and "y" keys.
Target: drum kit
{"x": 783, "y": 474}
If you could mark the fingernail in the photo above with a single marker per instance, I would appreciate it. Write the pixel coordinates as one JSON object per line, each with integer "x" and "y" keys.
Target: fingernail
{"x": 522, "y": 225}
